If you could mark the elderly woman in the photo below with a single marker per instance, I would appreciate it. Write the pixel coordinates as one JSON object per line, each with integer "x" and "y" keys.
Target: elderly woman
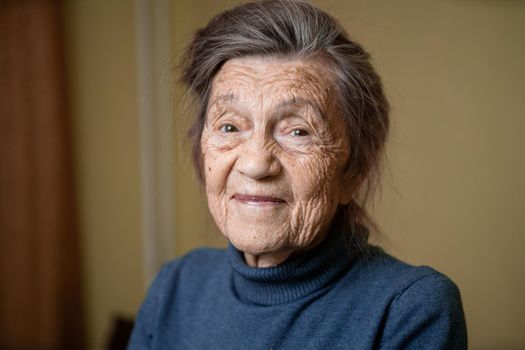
{"x": 291, "y": 124}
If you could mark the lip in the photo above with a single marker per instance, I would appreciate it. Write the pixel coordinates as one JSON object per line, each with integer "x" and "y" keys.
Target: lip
{"x": 261, "y": 200}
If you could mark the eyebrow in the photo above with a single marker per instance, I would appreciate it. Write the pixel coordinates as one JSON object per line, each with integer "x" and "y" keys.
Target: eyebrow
{"x": 226, "y": 97}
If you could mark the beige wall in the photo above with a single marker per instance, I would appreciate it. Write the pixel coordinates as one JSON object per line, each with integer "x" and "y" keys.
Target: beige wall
{"x": 100, "y": 52}
{"x": 453, "y": 191}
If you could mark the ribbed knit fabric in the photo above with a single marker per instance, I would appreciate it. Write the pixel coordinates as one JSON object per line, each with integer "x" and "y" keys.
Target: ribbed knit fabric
{"x": 335, "y": 296}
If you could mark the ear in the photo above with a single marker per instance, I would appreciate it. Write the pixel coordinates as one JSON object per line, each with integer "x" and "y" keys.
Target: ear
{"x": 350, "y": 185}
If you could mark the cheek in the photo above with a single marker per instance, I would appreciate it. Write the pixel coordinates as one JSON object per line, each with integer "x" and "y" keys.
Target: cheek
{"x": 215, "y": 176}
{"x": 215, "y": 163}
{"x": 217, "y": 166}
{"x": 214, "y": 171}
{"x": 318, "y": 175}
{"x": 317, "y": 185}
{"x": 314, "y": 200}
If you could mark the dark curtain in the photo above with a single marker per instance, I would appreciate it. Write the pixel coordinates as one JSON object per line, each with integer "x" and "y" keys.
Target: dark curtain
{"x": 40, "y": 290}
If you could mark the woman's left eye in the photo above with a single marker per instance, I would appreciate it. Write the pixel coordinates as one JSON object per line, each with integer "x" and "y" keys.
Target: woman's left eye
{"x": 299, "y": 132}
{"x": 227, "y": 128}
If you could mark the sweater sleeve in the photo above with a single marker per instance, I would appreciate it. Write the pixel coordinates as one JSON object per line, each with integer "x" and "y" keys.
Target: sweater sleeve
{"x": 143, "y": 329}
{"x": 428, "y": 314}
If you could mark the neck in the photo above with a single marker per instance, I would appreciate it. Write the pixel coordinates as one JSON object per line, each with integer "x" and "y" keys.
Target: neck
{"x": 266, "y": 260}
{"x": 277, "y": 258}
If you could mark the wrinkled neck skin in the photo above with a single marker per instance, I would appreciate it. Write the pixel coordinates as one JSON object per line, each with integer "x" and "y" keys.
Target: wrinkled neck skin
{"x": 276, "y": 258}
{"x": 266, "y": 260}
{"x": 274, "y": 151}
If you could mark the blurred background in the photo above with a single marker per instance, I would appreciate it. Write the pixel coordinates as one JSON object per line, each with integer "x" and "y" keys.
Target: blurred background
{"x": 97, "y": 189}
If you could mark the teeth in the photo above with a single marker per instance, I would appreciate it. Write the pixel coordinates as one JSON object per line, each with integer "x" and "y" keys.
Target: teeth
{"x": 260, "y": 199}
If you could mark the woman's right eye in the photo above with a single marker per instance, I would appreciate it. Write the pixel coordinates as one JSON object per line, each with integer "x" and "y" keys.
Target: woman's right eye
{"x": 227, "y": 128}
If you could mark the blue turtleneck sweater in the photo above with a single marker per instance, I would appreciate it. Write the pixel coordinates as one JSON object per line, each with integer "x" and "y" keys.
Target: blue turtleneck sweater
{"x": 333, "y": 297}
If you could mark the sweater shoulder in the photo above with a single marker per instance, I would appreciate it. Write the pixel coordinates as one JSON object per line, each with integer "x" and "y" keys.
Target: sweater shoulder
{"x": 197, "y": 266}
{"x": 180, "y": 277}
{"x": 422, "y": 306}
{"x": 384, "y": 273}
{"x": 197, "y": 261}
{"x": 203, "y": 257}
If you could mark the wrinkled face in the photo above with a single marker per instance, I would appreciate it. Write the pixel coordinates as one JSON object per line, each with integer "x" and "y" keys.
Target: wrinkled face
{"x": 274, "y": 146}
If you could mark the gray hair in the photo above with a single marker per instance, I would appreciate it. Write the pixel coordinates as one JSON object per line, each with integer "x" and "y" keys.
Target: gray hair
{"x": 297, "y": 29}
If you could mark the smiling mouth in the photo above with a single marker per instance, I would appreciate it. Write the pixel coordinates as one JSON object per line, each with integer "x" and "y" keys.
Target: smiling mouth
{"x": 258, "y": 200}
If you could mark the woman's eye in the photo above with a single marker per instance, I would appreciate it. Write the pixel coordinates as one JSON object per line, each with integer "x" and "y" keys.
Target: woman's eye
{"x": 299, "y": 132}
{"x": 229, "y": 128}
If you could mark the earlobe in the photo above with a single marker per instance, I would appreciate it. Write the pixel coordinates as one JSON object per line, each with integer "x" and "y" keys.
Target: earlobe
{"x": 346, "y": 195}
{"x": 348, "y": 189}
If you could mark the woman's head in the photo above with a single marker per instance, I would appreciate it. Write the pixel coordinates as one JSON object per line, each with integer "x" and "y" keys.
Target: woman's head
{"x": 234, "y": 58}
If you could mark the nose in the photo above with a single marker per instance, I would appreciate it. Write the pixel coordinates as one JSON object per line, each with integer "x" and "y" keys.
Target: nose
{"x": 256, "y": 160}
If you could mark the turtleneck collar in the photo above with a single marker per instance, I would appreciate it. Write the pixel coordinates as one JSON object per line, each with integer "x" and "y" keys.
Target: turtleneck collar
{"x": 300, "y": 275}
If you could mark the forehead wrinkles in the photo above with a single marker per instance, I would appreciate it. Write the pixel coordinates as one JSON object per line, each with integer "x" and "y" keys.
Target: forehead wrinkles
{"x": 273, "y": 82}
